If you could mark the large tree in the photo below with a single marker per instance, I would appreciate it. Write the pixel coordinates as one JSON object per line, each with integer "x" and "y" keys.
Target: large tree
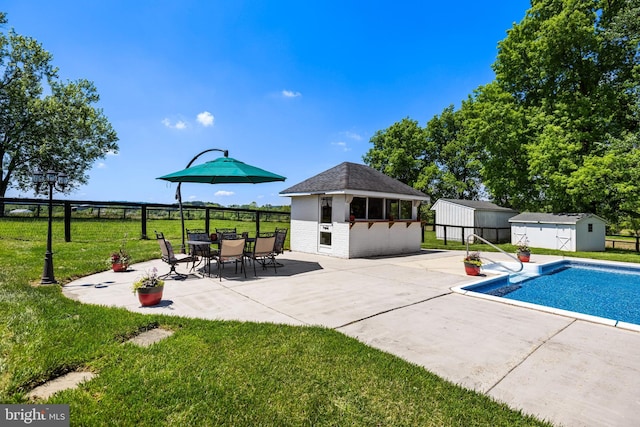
{"x": 399, "y": 151}
{"x": 567, "y": 90}
{"x": 454, "y": 170}
{"x": 45, "y": 123}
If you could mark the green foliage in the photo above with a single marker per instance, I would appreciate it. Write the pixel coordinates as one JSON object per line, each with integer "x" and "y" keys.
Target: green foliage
{"x": 400, "y": 151}
{"x": 473, "y": 259}
{"x": 61, "y": 130}
{"x": 148, "y": 280}
{"x": 558, "y": 129}
{"x": 567, "y": 70}
{"x": 436, "y": 160}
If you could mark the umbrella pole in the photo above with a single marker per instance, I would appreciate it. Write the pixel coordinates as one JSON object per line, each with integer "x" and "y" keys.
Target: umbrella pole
{"x": 179, "y": 195}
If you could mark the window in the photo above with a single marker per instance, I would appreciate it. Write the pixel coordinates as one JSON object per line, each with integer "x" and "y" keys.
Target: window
{"x": 590, "y": 227}
{"x": 375, "y": 208}
{"x": 392, "y": 209}
{"x": 325, "y": 238}
{"x": 359, "y": 207}
{"x": 405, "y": 209}
{"x": 325, "y": 210}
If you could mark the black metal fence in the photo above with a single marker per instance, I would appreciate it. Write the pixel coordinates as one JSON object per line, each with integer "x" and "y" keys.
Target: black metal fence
{"x": 489, "y": 233}
{"x": 76, "y": 211}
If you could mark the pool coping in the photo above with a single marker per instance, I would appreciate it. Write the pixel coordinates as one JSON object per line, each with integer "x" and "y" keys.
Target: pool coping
{"x": 498, "y": 273}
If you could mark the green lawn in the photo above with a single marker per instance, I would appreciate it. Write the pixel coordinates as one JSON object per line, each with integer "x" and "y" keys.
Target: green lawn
{"x": 207, "y": 372}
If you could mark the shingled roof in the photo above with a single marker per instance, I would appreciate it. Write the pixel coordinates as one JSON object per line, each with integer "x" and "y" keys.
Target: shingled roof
{"x": 353, "y": 178}
{"x": 552, "y": 218}
{"x": 481, "y": 205}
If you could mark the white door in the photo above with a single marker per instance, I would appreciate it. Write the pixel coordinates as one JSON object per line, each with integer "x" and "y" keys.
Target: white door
{"x": 563, "y": 238}
{"x": 325, "y": 225}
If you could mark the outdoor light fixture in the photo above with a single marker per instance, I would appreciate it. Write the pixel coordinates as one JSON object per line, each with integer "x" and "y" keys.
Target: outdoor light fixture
{"x": 50, "y": 178}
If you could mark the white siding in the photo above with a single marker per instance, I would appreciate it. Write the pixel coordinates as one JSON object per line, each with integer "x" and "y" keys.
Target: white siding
{"x": 361, "y": 239}
{"x": 448, "y": 213}
{"x": 493, "y": 220}
{"x": 380, "y": 239}
{"x": 549, "y": 236}
{"x": 474, "y": 220}
{"x": 593, "y": 241}
{"x": 566, "y": 237}
{"x": 304, "y": 224}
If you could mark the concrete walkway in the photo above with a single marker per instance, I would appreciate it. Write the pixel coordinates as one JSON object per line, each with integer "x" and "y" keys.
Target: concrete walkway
{"x": 568, "y": 371}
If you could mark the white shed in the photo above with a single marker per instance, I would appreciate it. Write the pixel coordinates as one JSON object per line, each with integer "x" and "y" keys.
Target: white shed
{"x": 456, "y": 219}
{"x": 564, "y": 231}
{"x": 352, "y": 211}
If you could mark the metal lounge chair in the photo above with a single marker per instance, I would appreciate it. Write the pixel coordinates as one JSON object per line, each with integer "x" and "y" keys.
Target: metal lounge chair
{"x": 278, "y": 247}
{"x": 231, "y": 250}
{"x": 263, "y": 250}
{"x": 170, "y": 258}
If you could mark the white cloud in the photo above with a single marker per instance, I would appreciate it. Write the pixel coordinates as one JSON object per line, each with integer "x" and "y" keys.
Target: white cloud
{"x": 179, "y": 124}
{"x": 205, "y": 119}
{"x": 352, "y": 135}
{"x": 101, "y": 165}
{"x": 193, "y": 197}
{"x": 224, "y": 193}
{"x": 341, "y": 144}
{"x": 290, "y": 94}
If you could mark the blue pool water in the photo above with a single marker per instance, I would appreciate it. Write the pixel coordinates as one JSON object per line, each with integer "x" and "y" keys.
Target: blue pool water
{"x": 594, "y": 289}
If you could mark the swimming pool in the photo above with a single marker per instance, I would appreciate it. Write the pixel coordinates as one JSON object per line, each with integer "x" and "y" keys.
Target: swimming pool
{"x": 602, "y": 292}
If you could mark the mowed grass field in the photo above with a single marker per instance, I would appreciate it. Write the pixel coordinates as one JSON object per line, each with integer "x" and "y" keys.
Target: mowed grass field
{"x": 207, "y": 372}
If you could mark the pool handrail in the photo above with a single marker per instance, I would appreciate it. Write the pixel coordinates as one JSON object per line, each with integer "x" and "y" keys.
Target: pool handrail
{"x": 475, "y": 236}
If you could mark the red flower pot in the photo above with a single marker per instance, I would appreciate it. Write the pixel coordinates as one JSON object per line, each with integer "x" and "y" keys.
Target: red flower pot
{"x": 471, "y": 269}
{"x": 119, "y": 266}
{"x": 150, "y": 296}
{"x": 524, "y": 256}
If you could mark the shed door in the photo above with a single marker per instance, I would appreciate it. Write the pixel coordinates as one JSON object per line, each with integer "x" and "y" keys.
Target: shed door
{"x": 325, "y": 225}
{"x": 563, "y": 237}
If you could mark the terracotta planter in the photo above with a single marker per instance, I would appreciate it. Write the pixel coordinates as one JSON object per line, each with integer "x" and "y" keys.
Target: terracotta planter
{"x": 150, "y": 296}
{"x": 472, "y": 269}
{"x": 119, "y": 266}
{"x": 524, "y": 256}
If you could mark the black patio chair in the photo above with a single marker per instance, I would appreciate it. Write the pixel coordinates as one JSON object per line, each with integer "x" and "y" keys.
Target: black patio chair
{"x": 170, "y": 258}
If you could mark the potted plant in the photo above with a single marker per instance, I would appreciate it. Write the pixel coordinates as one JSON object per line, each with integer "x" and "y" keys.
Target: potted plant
{"x": 120, "y": 260}
{"x": 149, "y": 288}
{"x": 523, "y": 252}
{"x": 472, "y": 264}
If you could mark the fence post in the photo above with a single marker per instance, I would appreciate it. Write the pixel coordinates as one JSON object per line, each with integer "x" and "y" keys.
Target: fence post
{"x": 143, "y": 219}
{"x": 445, "y": 234}
{"x": 67, "y": 221}
{"x": 257, "y": 223}
{"x": 207, "y": 217}
{"x": 637, "y": 243}
{"x": 462, "y": 228}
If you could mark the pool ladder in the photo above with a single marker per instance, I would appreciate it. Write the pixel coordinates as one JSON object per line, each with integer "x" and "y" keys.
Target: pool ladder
{"x": 506, "y": 267}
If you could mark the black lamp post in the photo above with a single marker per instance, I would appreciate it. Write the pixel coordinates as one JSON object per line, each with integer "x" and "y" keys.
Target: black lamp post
{"x": 51, "y": 178}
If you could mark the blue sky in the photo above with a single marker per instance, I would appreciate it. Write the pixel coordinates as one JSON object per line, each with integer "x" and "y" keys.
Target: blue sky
{"x": 294, "y": 87}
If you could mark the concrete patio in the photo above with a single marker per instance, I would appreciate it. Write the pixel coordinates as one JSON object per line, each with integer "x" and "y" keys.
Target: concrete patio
{"x": 569, "y": 371}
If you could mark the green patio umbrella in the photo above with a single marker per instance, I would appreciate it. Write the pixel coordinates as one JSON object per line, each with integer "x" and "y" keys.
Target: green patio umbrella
{"x": 223, "y": 170}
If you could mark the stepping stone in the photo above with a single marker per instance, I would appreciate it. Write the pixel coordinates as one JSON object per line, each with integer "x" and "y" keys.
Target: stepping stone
{"x": 149, "y": 337}
{"x": 67, "y": 381}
